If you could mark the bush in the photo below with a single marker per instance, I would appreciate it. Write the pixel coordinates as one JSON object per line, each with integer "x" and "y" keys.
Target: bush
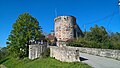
{"x": 93, "y": 44}
{"x": 78, "y": 43}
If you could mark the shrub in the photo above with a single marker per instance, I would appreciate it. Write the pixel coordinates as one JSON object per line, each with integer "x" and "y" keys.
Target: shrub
{"x": 94, "y": 44}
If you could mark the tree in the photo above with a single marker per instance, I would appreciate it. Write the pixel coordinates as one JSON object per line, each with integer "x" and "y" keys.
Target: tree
{"x": 3, "y": 54}
{"x": 98, "y": 37}
{"x": 98, "y": 34}
{"x": 115, "y": 40}
{"x": 25, "y": 28}
{"x": 115, "y": 37}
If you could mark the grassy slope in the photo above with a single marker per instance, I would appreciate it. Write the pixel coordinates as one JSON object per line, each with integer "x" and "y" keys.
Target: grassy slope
{"x": 42, "y": 63}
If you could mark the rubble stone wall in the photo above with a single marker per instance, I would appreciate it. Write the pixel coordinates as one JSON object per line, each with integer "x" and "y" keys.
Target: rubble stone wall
{"x": 102, "y": 52}
{"x": 64, "y": 27}
{"x": 115, "y": 54}
{"x": 64, "y": 54}
{"x": 72, "y": 54}
{"x": 35, "y": 51}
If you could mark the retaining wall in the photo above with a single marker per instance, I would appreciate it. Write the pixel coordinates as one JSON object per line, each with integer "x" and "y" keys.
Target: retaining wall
{"x": 35, "y": 51}
{"x": 115, "y": 54}
{"x": 69, "y": 54}
{"x": 64, "y": 54}
{"x": 102, "y": 52}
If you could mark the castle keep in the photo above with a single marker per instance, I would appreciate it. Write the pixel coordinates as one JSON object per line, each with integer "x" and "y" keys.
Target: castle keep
{"x": 66, "y": 28}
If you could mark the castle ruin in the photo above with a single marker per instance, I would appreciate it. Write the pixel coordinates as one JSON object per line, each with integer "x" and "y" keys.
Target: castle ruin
{"x": 65, "y": 29}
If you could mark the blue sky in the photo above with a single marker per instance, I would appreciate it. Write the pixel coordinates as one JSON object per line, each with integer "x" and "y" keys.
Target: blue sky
{"x": 88, "y": 12}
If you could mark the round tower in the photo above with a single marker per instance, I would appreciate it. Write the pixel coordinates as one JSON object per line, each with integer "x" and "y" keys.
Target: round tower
{"x": 64, "y": 28}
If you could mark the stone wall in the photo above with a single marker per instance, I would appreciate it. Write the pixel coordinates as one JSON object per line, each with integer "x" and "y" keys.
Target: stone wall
{"x": 64, "y": 54}
{"x": 115, "y": 54}
{"x": 36, "y": 51}
{"x": 72, "y": 54}
{"x": 102, "y": 52}
{"x": 66, "y": 28}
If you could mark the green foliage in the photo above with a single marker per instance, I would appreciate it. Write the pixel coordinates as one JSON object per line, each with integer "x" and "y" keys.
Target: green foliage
{"x": 98, "y": 37}
{"x": 3, "y": 54}
{"x": 42, "y": 63}
{"x": 25, "y": 29}
{"x": 76, "y": 42}
{"x": 98, "y": 34}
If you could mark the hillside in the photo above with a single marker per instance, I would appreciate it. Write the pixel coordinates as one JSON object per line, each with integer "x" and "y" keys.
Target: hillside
{"x": 41, "y": 63}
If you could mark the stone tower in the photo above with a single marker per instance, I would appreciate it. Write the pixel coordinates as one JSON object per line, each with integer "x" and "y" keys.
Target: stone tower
{"x": 66, "y": 28}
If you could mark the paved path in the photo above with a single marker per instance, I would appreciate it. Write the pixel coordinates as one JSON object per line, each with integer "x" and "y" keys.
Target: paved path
{"x": 99, "y": 62}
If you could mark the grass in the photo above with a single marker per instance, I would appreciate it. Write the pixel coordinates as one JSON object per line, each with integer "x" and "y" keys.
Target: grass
{"x": 42, "y": 63}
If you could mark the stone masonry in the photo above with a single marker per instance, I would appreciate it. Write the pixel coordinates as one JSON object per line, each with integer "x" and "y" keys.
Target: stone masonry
{"x": 66, "y": 28}
{"x": 36, "y": 50}
{"x": 72, "y": 54}
{"x": 109, "y": 53}
{"x": 64, "y": 54}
